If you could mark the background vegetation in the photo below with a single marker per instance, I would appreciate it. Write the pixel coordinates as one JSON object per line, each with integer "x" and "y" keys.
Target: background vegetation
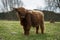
{"x": 48, "y": 15}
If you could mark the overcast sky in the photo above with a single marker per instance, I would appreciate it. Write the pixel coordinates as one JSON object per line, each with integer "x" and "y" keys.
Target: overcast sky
{"x": 32, "y": 4}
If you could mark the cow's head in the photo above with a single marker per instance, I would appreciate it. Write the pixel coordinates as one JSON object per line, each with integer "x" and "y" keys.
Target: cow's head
{"x": 21, "y": 11}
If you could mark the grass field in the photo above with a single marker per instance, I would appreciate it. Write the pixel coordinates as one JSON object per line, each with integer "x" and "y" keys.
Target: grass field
{"x": 12, "y": 30}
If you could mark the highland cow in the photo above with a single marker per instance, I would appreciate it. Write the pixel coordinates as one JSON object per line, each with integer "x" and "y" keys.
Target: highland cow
{"x": 30, "y": 18}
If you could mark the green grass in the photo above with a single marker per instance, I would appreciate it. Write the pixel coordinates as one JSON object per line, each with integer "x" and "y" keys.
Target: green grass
{"x": 12, "y": 30}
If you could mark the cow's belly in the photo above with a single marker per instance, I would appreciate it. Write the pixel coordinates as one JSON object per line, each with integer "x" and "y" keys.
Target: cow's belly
{"x": 35, "y": 24}
{"x": 35, "y": 21}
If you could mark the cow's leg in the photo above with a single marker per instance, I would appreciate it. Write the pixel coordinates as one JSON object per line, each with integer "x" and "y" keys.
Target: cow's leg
{"x": 37, "y": 28}
{"x": 42, "y": 27}
{"x": 27, "y": 30}
{"x": 24, "y": 27}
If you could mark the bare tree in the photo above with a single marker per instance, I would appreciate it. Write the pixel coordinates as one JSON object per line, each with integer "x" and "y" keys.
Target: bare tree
{"x": 5, "y": 4}
{"x": 8, "y": 4}
{"x": 52, "y": 5}
{"x": 58, "y": 2}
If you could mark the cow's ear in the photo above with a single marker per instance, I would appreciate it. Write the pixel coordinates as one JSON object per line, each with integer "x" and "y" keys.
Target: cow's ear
{"x": 14, "y": 8}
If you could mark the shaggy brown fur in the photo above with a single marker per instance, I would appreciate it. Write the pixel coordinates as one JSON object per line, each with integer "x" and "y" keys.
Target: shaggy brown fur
{"x": 30, "y": 18}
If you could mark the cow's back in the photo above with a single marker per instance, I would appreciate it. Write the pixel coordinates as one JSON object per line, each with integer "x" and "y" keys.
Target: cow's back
{"x": 36, "y": 17}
